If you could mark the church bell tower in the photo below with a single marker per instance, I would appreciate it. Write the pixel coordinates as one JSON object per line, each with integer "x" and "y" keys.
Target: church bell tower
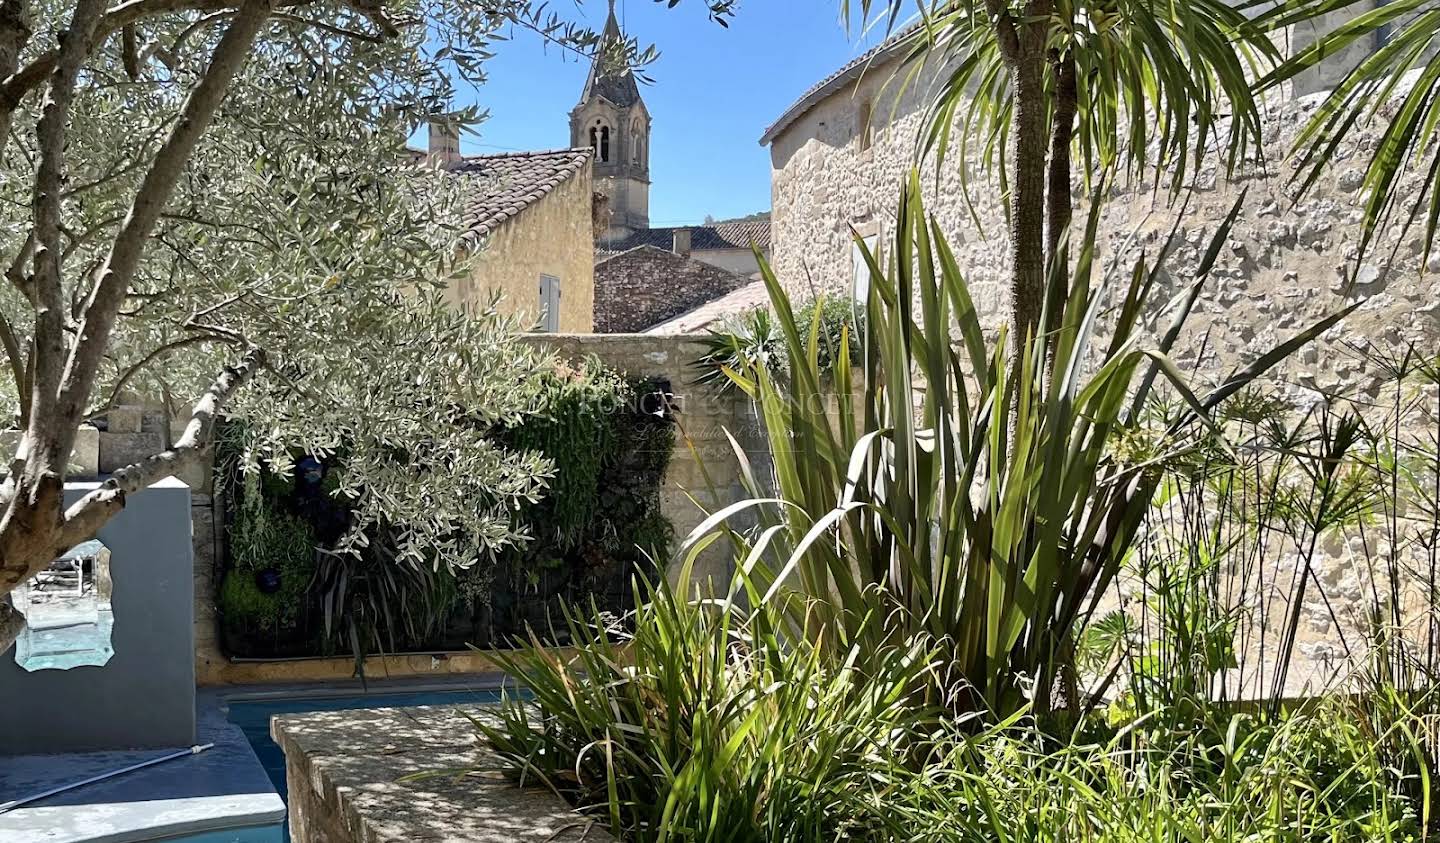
{"x": 612, "y": 120}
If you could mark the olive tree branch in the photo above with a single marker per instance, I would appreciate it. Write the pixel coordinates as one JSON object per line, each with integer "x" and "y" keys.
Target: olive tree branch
{"x": 135, "y": 369}
{"x": 46, "y": 280}
{"x": 88, "y": 514}
{"x": 16, "y": 360}
{"x": 98, "y": 318}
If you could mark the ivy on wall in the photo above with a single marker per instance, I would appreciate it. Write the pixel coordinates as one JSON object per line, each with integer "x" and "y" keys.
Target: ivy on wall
{"x": 286, "y": 592}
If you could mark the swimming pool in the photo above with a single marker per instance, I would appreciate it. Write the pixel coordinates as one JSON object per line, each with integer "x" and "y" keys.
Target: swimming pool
{"x": 253, "y": 716}
{"x": 233, "y": 792}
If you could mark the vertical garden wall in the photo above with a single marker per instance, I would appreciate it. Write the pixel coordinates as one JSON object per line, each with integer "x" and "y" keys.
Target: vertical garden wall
{"x": 639, "y": 452}
{"x": 287, "y": 589}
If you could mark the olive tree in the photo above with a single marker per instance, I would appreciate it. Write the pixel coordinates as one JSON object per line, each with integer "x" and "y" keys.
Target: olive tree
{"x": 210, "y": 201}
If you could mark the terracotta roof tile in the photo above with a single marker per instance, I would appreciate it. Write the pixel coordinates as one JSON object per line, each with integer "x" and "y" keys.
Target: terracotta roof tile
{"x": 507, "y": 183}
{"x": 703, "y": 238}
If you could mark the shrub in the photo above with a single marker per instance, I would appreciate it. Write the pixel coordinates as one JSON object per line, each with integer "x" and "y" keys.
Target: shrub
{"x": 1309, "y": 779}
{"x": 244, "y": 608}
{"x": 972, "y": 492}
{"x": 709, "y": 723}
{"x": 701, "y": 725}
{"x": 754, "y": 338}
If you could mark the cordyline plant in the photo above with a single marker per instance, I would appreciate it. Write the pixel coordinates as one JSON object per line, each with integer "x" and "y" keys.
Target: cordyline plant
{"x": 215, "y": 192}
{"x": 903, "y": 493}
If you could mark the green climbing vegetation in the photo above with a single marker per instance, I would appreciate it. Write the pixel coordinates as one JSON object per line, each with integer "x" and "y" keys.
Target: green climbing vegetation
{"x": 294, "y": 582}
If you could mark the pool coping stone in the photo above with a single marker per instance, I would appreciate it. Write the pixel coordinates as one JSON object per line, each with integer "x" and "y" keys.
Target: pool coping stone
{"x": 412, "y": 774}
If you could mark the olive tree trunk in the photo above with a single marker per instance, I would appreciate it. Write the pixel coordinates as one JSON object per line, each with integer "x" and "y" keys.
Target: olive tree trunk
{"x": 35, "y": 525}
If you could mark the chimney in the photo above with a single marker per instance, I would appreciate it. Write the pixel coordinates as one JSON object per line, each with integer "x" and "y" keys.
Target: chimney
{"x": 682, "y": 242}
{"x": 444, "y": 142}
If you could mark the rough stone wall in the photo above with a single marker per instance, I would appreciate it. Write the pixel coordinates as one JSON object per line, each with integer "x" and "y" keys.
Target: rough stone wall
{"x": 553, "y": 236}
{"x": 826, "y": 178}
{"x": 1287, "y": 264}
{"x": 207, "y": 532}
{"x": 646, "y": 286}
{"x": 703, "y": 465}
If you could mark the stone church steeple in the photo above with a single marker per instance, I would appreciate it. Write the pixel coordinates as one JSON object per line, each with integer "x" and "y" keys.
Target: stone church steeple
{"x": 611, "y": 119}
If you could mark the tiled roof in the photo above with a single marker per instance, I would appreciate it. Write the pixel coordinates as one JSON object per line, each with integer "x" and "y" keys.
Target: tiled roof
{"x": 891, "y": 47}
{"x": 703, "y": 238}
{"x": 737, "y": 301}
{"x": 507, "y": 183}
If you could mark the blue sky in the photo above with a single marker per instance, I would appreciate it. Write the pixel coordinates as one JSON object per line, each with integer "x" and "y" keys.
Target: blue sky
{"x": 715, "y": 90}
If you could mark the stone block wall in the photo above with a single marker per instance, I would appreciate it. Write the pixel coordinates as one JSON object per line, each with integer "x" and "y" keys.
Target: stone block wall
{"x": 370, "y": 776}
{"x": 645, "y": 286}
{"x": 704, "y": 471}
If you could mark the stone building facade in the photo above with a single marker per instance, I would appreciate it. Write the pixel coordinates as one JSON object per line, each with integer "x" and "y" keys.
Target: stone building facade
{"x": 840, "y": 154}
{"x": 645, "y": 286}
{"x": 530, "y": 224}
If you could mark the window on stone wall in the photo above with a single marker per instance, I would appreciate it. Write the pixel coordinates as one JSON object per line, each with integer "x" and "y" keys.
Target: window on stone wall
{"x": 549, "y": 304}
{"x": 866, "y": 130}
{"x": 860, "y": 270}
{"x": 604, "y": 143}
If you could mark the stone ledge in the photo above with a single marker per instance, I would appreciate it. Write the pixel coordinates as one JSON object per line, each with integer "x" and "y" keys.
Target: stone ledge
{"x": 344, "y": 771}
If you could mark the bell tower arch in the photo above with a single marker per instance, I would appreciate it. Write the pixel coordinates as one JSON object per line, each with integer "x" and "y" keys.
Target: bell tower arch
{"x": 611, "y": 119}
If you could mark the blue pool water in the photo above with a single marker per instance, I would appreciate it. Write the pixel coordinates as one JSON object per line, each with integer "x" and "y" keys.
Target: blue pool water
{"x": 253, "y": 717}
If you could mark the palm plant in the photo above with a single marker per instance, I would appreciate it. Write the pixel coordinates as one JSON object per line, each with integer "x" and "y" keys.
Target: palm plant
{"x": 1396, "y": 88}
{"x": 1140, "y": 85}
{"x": 915, "y": 500}
{"x": 752, "y": 338}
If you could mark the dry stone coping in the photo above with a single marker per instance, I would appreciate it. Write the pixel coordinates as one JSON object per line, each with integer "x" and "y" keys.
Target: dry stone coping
{"x": 347, "y": 778}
